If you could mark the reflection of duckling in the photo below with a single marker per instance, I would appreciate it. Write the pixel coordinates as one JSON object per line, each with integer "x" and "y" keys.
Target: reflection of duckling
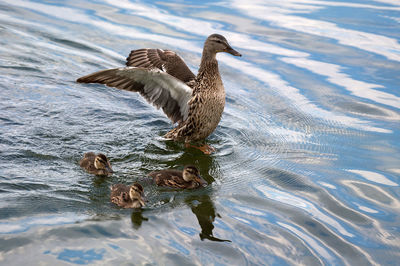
{"x": 127, "y": 196}
{"x": 188, "y": 178}
{"x": 204, "y": 209}
{"x": 96, "y": 164}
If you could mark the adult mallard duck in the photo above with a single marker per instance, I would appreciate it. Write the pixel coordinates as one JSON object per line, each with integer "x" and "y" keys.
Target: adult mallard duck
{"x": 97, "y": 164}
{"x": 188, "y": 178}
{"x": 127, "y": 196}
{"x": 194, "y": 102}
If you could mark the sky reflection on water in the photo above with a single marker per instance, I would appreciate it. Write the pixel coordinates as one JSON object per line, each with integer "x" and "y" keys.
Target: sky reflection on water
{"x": 307, "y": 162}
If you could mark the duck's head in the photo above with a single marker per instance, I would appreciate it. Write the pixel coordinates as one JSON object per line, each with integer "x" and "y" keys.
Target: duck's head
{"x": 192, "y": 174}
{"x": 101, "y": 162}
{"x": 136, "y": 193}
{"x": 216, "y": 43}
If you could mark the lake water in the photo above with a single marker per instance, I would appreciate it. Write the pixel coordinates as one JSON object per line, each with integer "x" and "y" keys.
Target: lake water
{"x": 307, "y": 163}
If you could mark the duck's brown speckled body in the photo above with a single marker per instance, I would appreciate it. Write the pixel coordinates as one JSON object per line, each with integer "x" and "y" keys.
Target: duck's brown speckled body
{"x": 97, "y": 164}
{"x": 196, "y": 103}
{"x": 205, "y": 106}
{"x": 127, "y": 196}
{"x": 189, "y": 178}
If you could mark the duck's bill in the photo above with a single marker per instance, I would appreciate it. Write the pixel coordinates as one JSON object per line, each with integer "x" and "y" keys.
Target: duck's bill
{"x": 201, "y": 181}
{"x": 142, "y": 201}
{"x": 233, "y": 51}
{"x": 109, "y": 169}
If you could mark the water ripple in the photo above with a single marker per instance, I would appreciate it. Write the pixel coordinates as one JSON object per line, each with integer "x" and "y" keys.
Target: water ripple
{"x": 278, "y": 14}
{"x": 306, "y": 168}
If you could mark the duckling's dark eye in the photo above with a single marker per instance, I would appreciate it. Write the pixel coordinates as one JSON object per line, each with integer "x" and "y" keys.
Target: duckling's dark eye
{"x": 218, "y": 41}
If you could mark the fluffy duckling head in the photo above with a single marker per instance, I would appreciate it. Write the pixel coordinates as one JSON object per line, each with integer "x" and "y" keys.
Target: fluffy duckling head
{"x": 216, "y": 43}
{"x": 136, "y": 194}
{"x": 192, "y": 174}
{"x": 101, "y": 162}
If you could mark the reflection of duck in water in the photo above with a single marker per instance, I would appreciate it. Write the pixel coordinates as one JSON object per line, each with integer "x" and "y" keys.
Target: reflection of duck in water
{"x": 189, "y": 178}
{"x": 194, "y": 102}
{"x": 97, "y": 164}
{"x": 204, "y": 210}
{"x": 127, "y": 196}
{"x": 137, "y": 218}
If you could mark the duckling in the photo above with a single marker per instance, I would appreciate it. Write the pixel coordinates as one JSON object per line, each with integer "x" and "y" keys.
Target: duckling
{"x": 189, "y": 178}
{"x": 127, "y": 196}
{"x": 97, "y": 164}
{"x": 161, "y": 76}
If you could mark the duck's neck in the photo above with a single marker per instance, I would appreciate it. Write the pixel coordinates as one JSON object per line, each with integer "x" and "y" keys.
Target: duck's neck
{"x": 208, "y": 65}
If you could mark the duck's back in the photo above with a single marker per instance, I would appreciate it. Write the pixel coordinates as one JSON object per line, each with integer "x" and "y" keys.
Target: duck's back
{"x": 169, "y": 178}
{"x": 119, "y": 196}
{"x": 87, "y": 162}
{"x": 118, "y": 189}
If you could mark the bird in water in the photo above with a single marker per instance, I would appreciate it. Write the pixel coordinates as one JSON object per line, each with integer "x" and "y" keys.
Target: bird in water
{"x": 195, "y": 103}
{"x": 97, "y": 164}
{"x": 189, "y": 178}
{"x": 128, "y": 196}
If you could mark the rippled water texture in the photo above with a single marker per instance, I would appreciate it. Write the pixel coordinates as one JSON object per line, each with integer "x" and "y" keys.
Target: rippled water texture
{"x": 308, "y": 156}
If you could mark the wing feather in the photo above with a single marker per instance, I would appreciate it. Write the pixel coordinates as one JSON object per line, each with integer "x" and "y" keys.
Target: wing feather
{"x": 157, "y": 87}
{"x": 165, "y": 60}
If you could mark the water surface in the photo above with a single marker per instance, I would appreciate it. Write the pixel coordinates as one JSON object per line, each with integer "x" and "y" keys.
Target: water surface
{"x": 307, "y": 163}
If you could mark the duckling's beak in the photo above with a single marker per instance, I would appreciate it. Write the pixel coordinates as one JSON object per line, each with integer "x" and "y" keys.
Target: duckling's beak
{"x": 109, "y": 169}
{"x": 201, "y": 181}
{"x": 232, "y": 51}
{"x": 142, "y": 200}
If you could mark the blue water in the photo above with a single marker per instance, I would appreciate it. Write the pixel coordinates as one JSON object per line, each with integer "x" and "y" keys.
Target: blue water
{"x": 307, "y": 162}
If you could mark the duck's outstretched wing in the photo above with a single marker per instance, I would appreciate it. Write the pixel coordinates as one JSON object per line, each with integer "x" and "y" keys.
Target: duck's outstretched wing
{"x": 164, "y": 60}
{"x": 157, "y": 87}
